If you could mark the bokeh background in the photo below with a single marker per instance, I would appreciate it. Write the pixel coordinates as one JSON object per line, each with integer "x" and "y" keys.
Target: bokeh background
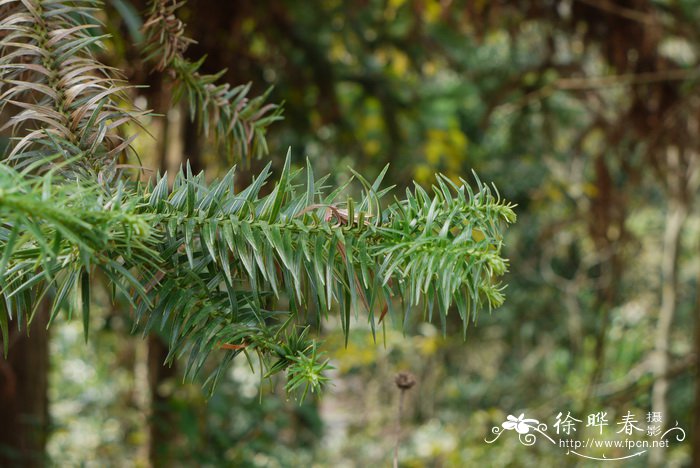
{"x": 586, "y": 113}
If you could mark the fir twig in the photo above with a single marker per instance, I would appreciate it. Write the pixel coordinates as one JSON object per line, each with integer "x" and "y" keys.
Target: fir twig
{"x": 237, "y": 123}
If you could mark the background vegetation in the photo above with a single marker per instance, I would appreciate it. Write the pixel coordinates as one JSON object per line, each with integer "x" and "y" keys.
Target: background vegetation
{"x": 586, "y": 113}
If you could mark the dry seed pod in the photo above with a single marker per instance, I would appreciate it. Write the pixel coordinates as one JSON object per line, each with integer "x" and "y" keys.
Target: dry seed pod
{"x": 405, "y": 380}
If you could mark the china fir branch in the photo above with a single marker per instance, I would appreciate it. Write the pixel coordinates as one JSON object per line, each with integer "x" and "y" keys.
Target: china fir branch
{"x": 196, "y": 259}
{"x": 236, "y": 122}
{"x": 56, "y": 239}
{"x": 61, "y": 98}
{"x": 431, "y": 248}
{"x": 207, "y": 265}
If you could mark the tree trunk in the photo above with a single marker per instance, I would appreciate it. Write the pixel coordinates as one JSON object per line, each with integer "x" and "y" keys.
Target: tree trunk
{"x": 675, "y": 219}
{"x": 24, "y": 414}
{"x": 162, "y": 422}
{"x": 191, "y": 143}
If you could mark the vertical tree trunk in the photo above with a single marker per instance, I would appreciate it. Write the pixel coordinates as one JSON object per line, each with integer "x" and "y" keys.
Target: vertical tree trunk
{"x": 675, "y": 219}
{"x": 162, "y": 428}
{"x": 24, "y": 414}
{"x": 191, "y": 143}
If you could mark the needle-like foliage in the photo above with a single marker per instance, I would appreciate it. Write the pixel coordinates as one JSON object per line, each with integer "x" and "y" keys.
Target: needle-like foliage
{"x": 237, "y": 123}
{"x": 63, "y": 100}
{"x": 202, "y": 259}
{"x": 214, "y": 268}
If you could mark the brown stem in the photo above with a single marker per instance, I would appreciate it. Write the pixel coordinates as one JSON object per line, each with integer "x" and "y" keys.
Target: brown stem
{"x": 404, "y": 381}
{"x": 398, "y": 429}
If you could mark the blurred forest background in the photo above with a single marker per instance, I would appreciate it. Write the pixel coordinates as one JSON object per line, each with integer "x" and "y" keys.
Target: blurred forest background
{"x": 586, "y": 113}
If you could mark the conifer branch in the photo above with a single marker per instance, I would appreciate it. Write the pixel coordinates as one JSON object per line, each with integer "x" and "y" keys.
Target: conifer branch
{"x": 196, "y": 259}
{"x": 67, "y": 103}
{"x": 214, "y": 268}
{"x": 237, "y": 123}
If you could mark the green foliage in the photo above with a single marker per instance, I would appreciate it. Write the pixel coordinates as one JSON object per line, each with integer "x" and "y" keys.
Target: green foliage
{"x": 209, "y": 265}
{"x": 203, "y": 258}
{"x": 559, "y": 105}
{"x": 62, "y": 100}
{"x": 237, "y": 122}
